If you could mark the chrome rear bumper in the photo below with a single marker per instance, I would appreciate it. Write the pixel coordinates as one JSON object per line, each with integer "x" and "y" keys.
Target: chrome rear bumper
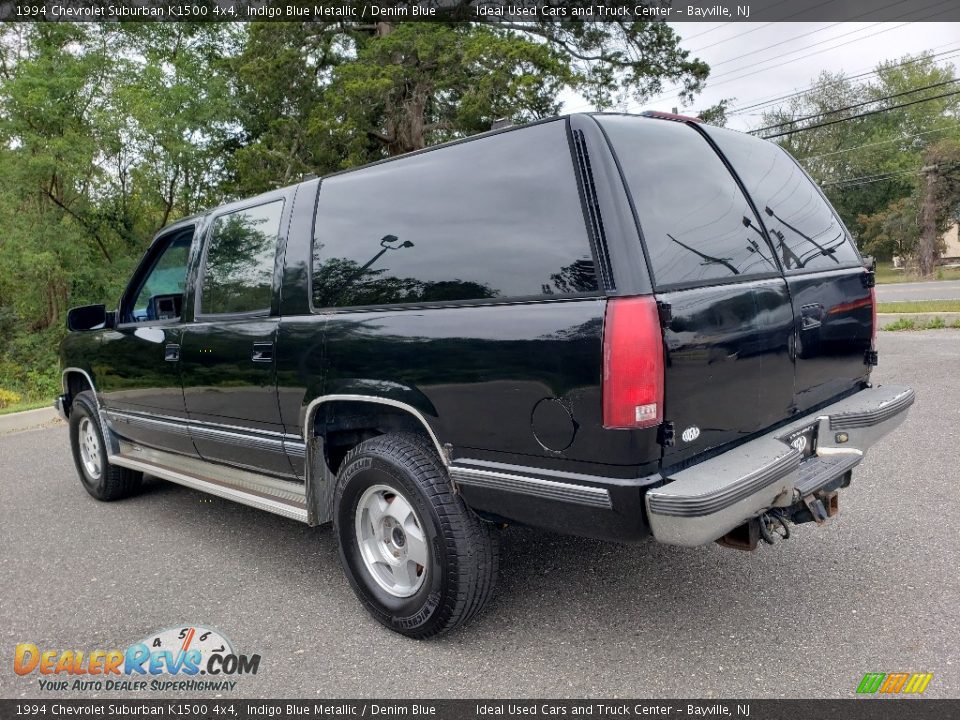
{"x": 706, "y": 501}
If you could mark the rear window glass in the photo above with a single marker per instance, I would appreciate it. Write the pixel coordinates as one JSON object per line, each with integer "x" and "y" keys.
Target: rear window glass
{"x": 697, "y": 225}
{"x": 497, "y": 217}
{"x": 804, "y": 228}
{"x": 238, "y": 273}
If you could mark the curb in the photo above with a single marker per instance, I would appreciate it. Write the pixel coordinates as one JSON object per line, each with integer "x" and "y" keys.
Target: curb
{"x": 15, "y": 422}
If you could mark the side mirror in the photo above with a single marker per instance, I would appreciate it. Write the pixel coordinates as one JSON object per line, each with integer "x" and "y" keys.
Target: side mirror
{"x": 87, "y": 317}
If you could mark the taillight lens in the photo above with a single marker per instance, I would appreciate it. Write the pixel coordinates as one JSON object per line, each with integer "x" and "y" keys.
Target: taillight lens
{"x": 873, "y": 304}
{"x": 632, "y": 364}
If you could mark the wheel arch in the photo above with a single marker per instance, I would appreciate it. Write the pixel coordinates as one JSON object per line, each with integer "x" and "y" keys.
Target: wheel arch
{"x": 76, "y": 380}
{"x": 323, "y": 454}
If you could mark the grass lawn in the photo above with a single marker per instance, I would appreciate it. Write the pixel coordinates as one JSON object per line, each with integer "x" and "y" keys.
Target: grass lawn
{"x": 912, "y": 323}
{"x": 887, "y": 274}
{"x": 919, "y": 306}
{"x": 26, "y": 405}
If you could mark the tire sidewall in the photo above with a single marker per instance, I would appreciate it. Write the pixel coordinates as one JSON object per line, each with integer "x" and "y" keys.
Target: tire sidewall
{"x": 82, "y": 409}
{"x": 413, "y": 615}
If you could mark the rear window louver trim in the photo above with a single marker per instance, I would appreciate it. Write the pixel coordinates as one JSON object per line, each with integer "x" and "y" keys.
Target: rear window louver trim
{"x": 592, "y": 205}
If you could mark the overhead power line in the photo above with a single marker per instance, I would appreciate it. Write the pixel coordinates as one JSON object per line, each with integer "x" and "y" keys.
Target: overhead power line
{"x": 789, "y": 40}
{"x": 788, "y": 62}
{"x": 741, "y": 109}
{"x": 723, "y": 25}
{"x": 861, "y": 115}
{"x": 882, "y": 142}
{"x": 817, "y": 52}
{"x": 856, "y": 105}
{"x": 732, "y": 37}
{"x": 866, "y": 179}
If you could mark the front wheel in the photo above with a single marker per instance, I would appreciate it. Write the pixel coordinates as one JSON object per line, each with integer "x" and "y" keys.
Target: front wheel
{"x": 420, "y": 561}
{"x": 101, "y": 479}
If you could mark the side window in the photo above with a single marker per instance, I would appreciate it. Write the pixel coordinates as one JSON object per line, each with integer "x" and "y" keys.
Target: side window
{"x": 498, "y": 217}
{"x": 696, "y": 224}
{"x": 804, "y": 229}
{"x": 238, "y": 271}
{"x": 160, "y": 296}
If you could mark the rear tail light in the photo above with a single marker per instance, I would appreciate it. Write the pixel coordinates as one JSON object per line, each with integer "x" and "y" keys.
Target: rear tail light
{"x": 632, "y": 364}
{"x": 873, "y": 304}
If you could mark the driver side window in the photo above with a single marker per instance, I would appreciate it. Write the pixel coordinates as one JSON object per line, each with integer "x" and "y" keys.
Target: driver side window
{"x": 160, "y": 296}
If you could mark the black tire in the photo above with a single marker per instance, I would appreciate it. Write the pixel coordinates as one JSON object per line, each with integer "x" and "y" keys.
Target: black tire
{"x": 112, "y": 482}
{"x": 462, "y": 549}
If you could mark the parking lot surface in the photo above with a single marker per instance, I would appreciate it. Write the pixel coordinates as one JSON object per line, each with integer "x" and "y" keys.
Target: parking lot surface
{"x": 876, "y": 589}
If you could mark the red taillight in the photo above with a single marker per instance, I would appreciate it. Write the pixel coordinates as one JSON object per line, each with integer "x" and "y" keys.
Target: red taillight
{"x": 873, "y": 304}
{"x": 632, "y": 364}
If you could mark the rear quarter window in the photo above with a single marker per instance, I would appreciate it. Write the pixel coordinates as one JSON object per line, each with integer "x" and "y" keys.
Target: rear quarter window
{"x": 497, "y": 217}
{"x": 696, "y": 224}
{"x": 804, "y": 229}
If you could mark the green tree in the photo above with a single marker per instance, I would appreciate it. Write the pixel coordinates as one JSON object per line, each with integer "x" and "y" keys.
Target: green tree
{"x": 107, "y": 132}
{"x": 319, "y": 97}
{"x": 866, "y": 165}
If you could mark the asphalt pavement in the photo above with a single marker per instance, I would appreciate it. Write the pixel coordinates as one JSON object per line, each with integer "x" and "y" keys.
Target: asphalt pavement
{"x": 933, "y": 290}
{"x": 876, "y": 589}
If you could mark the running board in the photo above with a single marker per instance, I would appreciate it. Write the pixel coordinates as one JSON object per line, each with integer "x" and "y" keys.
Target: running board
{"x": 280, "y": 497}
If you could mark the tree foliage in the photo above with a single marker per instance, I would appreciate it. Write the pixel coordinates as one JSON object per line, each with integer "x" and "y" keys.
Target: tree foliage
{"x": 110, "y": 131}
{"x": 321, "y": 97}
{"x": 870, "y": 167}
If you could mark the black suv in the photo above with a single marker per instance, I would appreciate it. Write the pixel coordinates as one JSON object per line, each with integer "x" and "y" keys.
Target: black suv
{"x": 607, "y": 325}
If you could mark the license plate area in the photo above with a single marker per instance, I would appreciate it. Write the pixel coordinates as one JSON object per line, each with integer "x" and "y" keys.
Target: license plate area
{"x": 804, "y": 440}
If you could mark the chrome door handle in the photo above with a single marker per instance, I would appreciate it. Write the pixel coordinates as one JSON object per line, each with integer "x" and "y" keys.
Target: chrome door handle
{"x": 263, "y": 352}
{"x": 171, "y": 353}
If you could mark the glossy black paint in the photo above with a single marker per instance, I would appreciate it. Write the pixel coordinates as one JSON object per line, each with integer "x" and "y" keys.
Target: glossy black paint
{"x": 729, "y": 370}
{"x": 506, "y": 381}
{"x": 834, "y": 326}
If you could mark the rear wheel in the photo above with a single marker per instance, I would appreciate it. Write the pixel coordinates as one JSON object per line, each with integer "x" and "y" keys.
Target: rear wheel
{"x": 99, "y": 478}
{"x": 420, "y": 561}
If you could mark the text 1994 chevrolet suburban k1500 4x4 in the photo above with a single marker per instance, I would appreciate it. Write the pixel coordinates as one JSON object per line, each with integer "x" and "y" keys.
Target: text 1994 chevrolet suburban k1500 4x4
{"x": 607, "y": 325}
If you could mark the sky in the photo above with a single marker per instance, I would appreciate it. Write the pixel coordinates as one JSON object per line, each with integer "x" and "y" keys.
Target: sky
{"x": 751, "y": 62}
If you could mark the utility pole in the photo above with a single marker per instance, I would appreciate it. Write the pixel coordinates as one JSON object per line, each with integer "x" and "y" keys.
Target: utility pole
{"x": 928, "y": 219}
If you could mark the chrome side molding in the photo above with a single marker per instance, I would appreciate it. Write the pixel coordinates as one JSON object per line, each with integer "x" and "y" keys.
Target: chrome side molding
{"x": 530, "y": 485}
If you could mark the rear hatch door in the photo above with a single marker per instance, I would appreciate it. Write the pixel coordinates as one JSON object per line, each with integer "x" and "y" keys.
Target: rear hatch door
{"x": 728, "y": 318}
{"x": 828, "y": 285}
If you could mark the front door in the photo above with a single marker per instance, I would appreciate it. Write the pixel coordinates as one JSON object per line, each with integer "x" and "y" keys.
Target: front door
{"x": 139, "y": 376}
{"x": 227, "y": 353}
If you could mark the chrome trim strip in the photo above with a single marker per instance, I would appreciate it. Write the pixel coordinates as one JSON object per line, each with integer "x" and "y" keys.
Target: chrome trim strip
{"x": 295, "y": 449}
{"x": 711, "y": 502}
{"x": 212, "y": 425}
{"x": 869, "y": 418}
{"x": 294, "y": 511}
{"x": 308, "y": 413}
{"x": 537, "y": 487}
{"x": 63, "y": 382}
{"x": 178, "y": 428}
{"x": 246, "y": 440}
{"x": 182, "y": 426}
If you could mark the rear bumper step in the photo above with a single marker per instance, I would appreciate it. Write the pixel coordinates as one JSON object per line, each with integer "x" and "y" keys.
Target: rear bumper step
{"x": 704, "y": 502}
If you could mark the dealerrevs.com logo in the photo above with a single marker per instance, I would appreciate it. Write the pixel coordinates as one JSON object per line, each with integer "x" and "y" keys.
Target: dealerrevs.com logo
{"x": 184, "y": 658}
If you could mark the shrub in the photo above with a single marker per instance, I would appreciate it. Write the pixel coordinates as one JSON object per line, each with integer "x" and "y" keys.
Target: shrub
{"x": 8, "y": 398}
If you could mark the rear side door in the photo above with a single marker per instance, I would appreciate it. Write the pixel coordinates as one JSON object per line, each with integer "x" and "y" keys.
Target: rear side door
{"x": 227, "y": 355}
{"x": 830, "y": 289}
{"x": 725, "y": 306}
